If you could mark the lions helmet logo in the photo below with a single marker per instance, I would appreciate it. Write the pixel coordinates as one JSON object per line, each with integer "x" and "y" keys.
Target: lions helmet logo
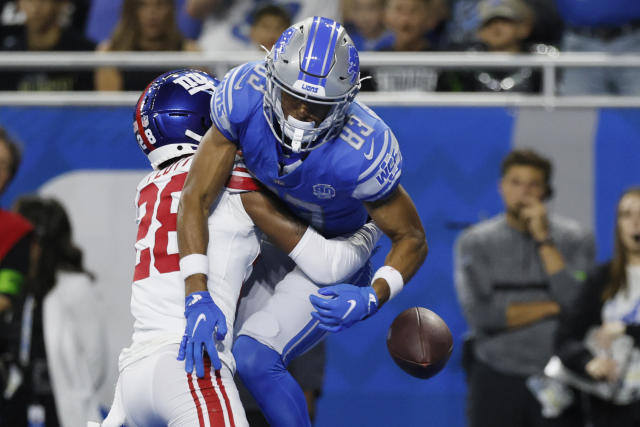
{"x": 283, "y": 41}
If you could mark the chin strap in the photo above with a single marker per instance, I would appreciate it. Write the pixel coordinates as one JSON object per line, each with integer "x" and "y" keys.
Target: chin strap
{"x": 296, "y": 141}
{"x": 296, "y": 131}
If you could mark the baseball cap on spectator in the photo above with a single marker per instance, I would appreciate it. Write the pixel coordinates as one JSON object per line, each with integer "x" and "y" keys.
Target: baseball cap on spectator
{"x": 513, "y": 10}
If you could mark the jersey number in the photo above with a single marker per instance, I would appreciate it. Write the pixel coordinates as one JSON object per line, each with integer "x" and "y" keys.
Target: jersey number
{"x": 163, "y": 262}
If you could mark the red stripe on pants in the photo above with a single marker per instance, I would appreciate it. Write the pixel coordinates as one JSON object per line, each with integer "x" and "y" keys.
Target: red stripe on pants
{"x": 214, "y": 409}
{"x": 195, "y": 399}
{"x": 225, "y": 397}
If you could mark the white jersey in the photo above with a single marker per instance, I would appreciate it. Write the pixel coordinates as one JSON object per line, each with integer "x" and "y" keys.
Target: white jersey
{"x": 157, "y": 297}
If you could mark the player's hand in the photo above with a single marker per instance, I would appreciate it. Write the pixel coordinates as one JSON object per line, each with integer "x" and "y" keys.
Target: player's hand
{"x": 204, "y": 319}
{"x": 349, "y": 305}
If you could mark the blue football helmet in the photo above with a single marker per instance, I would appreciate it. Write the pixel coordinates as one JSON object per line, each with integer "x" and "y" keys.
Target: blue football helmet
{"x": 315, "y": 61}
{"x": 173, "y": 113}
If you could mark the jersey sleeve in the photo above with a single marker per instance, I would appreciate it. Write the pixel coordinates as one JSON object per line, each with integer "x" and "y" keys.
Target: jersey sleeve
{"x": 229, "y": 106}
{"x": 380, "y": 175}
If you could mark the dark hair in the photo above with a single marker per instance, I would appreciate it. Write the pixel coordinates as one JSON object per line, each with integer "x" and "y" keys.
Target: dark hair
{"x": 52, "y": 231}
{"x": 271, "y": 9}
{"x": 618, "y": 266}
{"x": 528, "y": 157}
{"x": 14, "y": 150}
{"x": 127, "y": 32}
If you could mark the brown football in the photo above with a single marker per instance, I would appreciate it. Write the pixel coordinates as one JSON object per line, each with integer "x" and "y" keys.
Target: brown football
{"x": 420, "y": 342}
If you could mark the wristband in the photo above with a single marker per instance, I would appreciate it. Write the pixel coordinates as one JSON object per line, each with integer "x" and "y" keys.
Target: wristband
{"x": 194, "y": 264}
{"x": 393, "y": 278}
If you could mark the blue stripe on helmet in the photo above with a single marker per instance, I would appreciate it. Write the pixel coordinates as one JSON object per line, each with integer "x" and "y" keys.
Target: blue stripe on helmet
{"x": 328, "y": 55}
{"x": 320, "y": 49}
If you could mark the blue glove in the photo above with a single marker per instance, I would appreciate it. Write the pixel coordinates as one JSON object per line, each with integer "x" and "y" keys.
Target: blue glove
{"x": 349, "y": 305}
{"x": 204, "y": 319}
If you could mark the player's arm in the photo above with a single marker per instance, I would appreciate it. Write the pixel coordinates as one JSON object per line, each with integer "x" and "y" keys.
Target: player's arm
{"x": 274, "y": 219}
{"x": 398, "y": 218}
{"x": 324, "y": 261}
{"x": 209, "y": 171}
{"x": 211, "y": 167}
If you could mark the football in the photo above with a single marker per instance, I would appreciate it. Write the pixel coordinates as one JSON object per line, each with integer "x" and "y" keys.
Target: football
{"x": 420, "y": 342}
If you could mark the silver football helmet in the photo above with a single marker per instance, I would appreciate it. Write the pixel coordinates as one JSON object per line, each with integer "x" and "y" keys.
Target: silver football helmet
{"x": 315, "y": 61}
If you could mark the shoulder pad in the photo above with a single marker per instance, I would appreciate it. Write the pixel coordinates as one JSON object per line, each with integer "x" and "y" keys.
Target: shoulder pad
{"x": 239, "y": 92}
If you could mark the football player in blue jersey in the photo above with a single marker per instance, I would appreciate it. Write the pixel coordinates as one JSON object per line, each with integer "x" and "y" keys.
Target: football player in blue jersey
{"x": 333, "y": 162}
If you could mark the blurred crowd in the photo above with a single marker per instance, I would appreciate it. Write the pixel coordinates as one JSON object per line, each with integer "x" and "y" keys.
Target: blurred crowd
{"x": 551, "y": 333}
{"x": 509, "y": 26}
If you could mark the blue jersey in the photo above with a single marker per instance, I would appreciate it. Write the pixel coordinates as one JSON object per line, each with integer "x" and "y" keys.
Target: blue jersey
{"x": 363, "y": 163}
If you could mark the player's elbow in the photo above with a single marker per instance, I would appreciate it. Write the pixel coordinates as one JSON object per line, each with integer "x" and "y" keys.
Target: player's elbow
{"x": 418, "y": 241}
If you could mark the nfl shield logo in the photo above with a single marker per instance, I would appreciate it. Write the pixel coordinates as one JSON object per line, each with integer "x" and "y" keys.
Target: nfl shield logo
{"x": 145, "y": 121}
{"x": 324, "y": 191}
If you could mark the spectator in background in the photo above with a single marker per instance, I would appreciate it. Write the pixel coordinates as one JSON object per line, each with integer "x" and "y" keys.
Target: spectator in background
{"x": 611, "y": 26}
{"x": 465, "y": 20}
{"x": 592, "y": 334}
{"x": 145, "y": 25}
{"x": 15, "y": 241}
{"x": 103, "y": 16}
{"x": 365, "y": 23}
{"x": 504, "y": 27}
{"x": 68, "y": 349}
{"x": 410, "y": 22}
{"x": 16, "y": 234}
{"x": 513, "y": 275}
{"x": 267, "y": 23}
{"x": 226, "y": 23}
{"x": 43, "y": 31}
{"x": 14, "y": 229}
{"x": 74, "y": 14}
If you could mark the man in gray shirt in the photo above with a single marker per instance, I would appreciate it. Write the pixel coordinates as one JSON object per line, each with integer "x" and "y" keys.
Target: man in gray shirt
{"x": 513, "y": 274}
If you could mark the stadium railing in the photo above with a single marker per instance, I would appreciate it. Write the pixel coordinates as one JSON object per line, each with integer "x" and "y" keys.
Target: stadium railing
{"x": 550, "y": 65}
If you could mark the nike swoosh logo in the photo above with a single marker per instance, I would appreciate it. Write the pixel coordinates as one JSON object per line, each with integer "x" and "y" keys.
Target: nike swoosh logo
{"x": 370, "y": 155}
{"x": 200, "y": 318}
{"x": 352, "y": 305}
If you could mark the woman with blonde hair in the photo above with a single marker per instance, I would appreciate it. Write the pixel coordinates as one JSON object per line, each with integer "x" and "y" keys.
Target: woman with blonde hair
{"x": 144, "y": 25}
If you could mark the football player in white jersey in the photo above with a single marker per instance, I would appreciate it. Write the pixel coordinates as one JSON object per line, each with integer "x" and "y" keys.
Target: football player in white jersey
{"x": 153, "y": 389}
